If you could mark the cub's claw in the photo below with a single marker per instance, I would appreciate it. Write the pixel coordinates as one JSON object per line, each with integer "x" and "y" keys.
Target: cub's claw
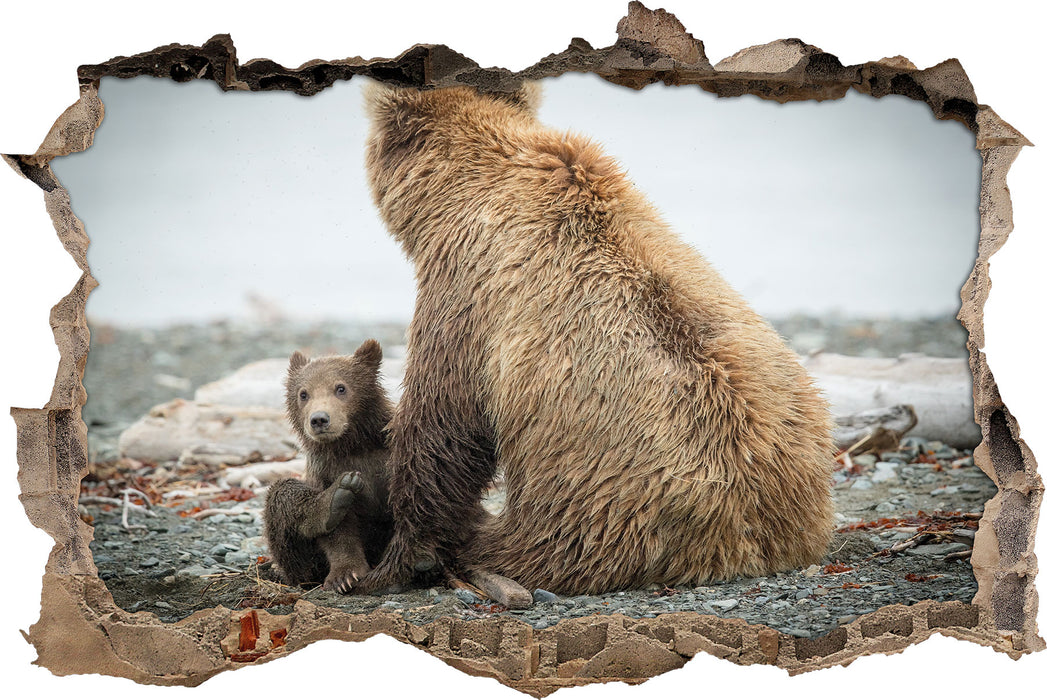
{"x": 342, "y": 582}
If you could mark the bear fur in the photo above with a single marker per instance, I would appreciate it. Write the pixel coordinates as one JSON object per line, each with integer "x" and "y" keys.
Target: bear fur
{"x": 652, "y": 428}
{"x": 334, "y": 524}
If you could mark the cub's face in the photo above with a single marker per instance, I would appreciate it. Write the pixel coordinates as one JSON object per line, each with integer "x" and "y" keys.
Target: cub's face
{"x": 325, "y": 395}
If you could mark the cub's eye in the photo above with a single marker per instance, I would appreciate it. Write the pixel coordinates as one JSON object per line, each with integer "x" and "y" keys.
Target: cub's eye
{"x": 303, "y": 395}
{"x": 340, "y": 389}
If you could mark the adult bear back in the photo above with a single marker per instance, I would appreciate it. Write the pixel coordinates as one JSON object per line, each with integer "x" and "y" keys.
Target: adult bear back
{"x": 652, "y": 428}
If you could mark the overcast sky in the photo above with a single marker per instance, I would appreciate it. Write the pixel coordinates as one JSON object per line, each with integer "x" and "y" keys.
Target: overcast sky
{"x": 194, "y": 198}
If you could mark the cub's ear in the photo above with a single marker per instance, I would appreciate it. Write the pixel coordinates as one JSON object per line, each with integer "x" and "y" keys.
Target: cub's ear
{"x": 298, "y": 361}
{"x": 369, "y": 353}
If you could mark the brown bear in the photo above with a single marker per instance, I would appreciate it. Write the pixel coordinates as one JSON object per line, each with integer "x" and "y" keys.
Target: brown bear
{"x": 652, "y": 428}
{"x": 333, "y": 525}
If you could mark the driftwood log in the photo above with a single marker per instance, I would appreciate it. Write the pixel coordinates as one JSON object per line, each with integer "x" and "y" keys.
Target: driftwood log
{"x": 937, "y": 389}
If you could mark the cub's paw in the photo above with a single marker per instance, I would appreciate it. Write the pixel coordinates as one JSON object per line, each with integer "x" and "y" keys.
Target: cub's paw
{"x": 342, "y": 498}
{"x": 342, "y": 581}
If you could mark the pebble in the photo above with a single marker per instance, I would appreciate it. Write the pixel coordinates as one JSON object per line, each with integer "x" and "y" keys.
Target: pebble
{"x": 723, "y": 605}
{"x": 238, "y": 558}
{"x": 466, "y": 596}
{"x": 916, "y": 443}
{"x": 865, "y": 460}
{"x": 885, "y": 471}
{"x": 222, "y": 549}
{"x": 541, "y": 595}
{"x": 939, "y": 549}
{"x": 862, "y": 483}
{"x": 945, "y": 491}
{"x": 217, "y": 519}
{"x": 146, "y": 563}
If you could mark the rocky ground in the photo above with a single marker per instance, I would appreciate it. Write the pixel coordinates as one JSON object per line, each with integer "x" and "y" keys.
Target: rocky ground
{"x": 906, "y": 517}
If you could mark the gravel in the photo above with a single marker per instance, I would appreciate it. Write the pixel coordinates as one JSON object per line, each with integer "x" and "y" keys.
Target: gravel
{"x": 173, "y": 564}
{"x": 179, "y": 564}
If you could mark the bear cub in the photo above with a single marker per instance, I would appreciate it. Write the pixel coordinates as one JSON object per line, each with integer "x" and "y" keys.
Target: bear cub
{"x": 334, "y": 523}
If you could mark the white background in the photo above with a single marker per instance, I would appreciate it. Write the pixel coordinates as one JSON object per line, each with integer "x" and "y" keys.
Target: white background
{"x": 44, "y": 42}
{"x": 195, "y": 199}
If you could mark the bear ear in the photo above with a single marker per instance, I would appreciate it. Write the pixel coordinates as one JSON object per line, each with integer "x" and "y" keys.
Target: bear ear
{"x": 387, "y": 103}
{"x": 528, "y": 97}
{"x": 370, "y": 352}
{"x": 298, "y": 361}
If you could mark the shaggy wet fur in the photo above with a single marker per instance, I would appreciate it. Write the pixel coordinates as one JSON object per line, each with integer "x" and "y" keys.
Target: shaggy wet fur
{"x": 652, "y": 428}
{"x": 334, "y": 524}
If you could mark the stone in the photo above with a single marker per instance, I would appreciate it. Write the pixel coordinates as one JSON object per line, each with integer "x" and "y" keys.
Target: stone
{"x": 885, "y": 471}
{"x": 222, "y": 549}
{"x": 238, "y": 558}
{"x": 936, "y": 550}
{"x": 862, "y": 483}
{"x": 865, "y": 460}
{"x": 466, "y": 596}
{"x": 541, "y": 595}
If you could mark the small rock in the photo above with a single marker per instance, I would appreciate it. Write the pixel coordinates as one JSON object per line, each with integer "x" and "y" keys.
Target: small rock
{"x": 723, "y": 605}
{"x": 846, "y": 619}
{"x": 916, "y": 443}
{"x": 896, "y": 457}
{"x": 886, "y": 507}
{"x": 220, "y": 550}
{"x": 967, "y": 461}
{"x": 885, "y": 471}
{"x": 862, "y": 483}
{"x": 238, "y": 558}
{"x": 541, "y": 595}
{"x": 865, "y": 460}
{"x": 796, "y": 633}
{"x": 945, "y": 491}
{"x": 218, "y": 519}
{"x": 146, "y": 563}
{"x": 466, "y": 596}
{"x": 938, "y": 549}
{"x": 812, "y": 570}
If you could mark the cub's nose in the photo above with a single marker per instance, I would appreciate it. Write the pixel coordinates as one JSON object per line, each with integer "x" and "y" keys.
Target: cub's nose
{"x": 319, "y": 420}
